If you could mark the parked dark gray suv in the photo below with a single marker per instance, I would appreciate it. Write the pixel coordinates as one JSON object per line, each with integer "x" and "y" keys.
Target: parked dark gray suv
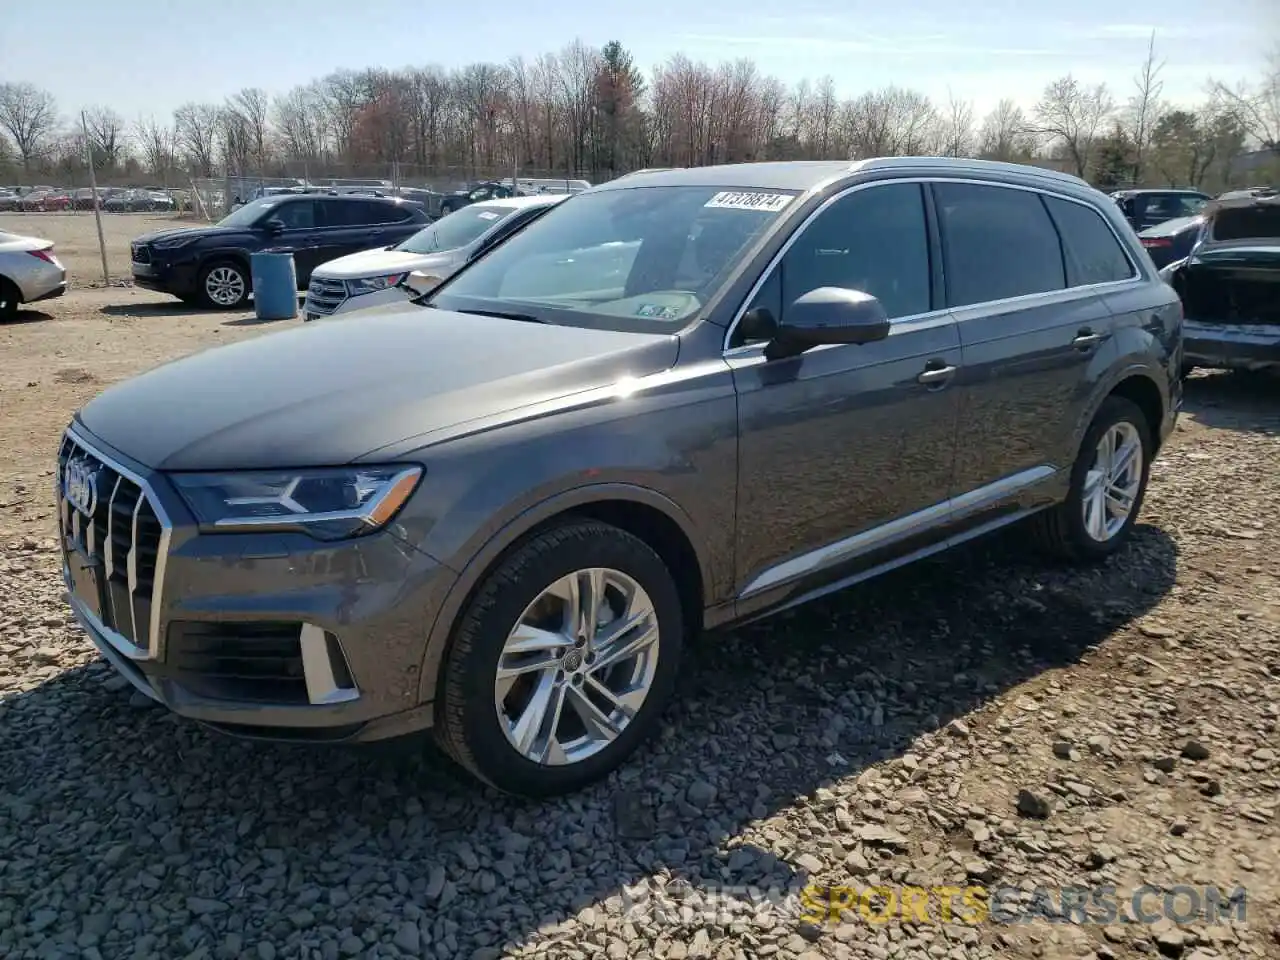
{"x": 677, "y": 401}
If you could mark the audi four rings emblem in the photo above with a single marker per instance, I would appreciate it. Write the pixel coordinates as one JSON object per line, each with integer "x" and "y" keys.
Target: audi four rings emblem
{"x": 80, "y": 486}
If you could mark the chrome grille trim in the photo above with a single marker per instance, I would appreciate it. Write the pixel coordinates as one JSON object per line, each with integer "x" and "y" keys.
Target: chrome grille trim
{"x": 325, "y": 295}
{"x": 73, "y": 442}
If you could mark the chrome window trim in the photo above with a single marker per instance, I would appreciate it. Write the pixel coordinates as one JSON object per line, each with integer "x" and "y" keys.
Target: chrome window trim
{"x": 1022, "y": 301}
{"x": 153, "y": 649}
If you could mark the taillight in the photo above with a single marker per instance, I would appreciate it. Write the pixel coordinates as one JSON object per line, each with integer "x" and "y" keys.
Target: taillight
{"x": 45, "y": 255}
{"x": 1156, "y": 242}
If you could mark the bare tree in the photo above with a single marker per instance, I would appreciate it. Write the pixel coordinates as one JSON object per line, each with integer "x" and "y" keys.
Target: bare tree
{"x": 957, "y": 132}
{"x": 196, "y": 127}
{"x": 1144, "y": 107}
{"x": 1005, "y": 133}
{"x": 301, "y": 121}
{"x": 1069, "y": 117}
{"x": 155, "y": 142}
{"x": 107, "y": 136}
{"x": 251, "y": 107}
{"x": 1258, "y": 105}
{"x": 30, "y": 115}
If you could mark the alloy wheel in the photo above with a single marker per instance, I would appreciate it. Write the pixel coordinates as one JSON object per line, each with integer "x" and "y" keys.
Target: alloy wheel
{"x": 1112, "y": 482}
{"x": 225, "y": 286}
{"x": 577, "y": 667}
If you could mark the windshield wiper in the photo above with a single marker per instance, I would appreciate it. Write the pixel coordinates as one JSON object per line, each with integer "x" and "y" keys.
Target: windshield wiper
{"x": 522, "y": 317}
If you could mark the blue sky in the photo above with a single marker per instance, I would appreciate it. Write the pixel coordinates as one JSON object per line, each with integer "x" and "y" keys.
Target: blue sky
{"x": 149, "y": 57}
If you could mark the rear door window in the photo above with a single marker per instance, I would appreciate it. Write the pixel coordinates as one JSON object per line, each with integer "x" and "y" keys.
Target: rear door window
{"x": 997, "y": 242}
{"x": 1094, "y": 255}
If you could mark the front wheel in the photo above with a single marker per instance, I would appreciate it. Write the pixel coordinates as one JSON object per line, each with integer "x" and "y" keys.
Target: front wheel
{"x": 561, "y": 665}
{"x": 224, "y": 285}
{"x": 1108, "y": 484}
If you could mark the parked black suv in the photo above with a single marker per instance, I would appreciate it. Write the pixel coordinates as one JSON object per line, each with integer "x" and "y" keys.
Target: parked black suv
{"x": 1147, "y": 208}
{"x": 674, "y": 402}
{"x": 210, "y": 265}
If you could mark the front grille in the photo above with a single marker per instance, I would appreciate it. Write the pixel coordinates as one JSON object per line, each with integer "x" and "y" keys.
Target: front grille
{"x": 120, "y": 536}
{"x": 247, "y": 662}
{"x": 325, "y": 296}
{"x": 141, "y": 254}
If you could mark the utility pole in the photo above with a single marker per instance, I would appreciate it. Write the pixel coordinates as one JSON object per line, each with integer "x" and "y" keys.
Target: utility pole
{"x": 93, "y": 187}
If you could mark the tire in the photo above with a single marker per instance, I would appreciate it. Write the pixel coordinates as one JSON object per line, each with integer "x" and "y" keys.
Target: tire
{"x": 468, "y": 723}
{"x": 1062, "y": 530}
{"x": 9, "y": 300}
{"x": 209, "y": 277}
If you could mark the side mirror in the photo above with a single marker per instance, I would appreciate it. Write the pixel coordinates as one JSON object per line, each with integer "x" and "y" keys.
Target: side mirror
{"x": 419, "y": 283}
{"x": 274, "y": 226}
{"x": 828, "y": 315}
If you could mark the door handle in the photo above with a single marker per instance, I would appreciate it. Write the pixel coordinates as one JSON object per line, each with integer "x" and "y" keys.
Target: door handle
{"x": 936, "y": 375}
{"x": 1086, "y": 338}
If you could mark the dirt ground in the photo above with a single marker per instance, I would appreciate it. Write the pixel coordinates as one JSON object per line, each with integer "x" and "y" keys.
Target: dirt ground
{"x": 983, "y": 720}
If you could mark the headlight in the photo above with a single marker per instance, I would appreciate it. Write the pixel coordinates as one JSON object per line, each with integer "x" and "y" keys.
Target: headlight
{"x": 373, "y": 284}
{"x": 327, "y": 504}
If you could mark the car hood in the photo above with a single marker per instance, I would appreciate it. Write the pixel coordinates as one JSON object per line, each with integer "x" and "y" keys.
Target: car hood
{"x": 162, "y": 236}
{"x": 376, "y": 263}
{"x": 329, "y": 394}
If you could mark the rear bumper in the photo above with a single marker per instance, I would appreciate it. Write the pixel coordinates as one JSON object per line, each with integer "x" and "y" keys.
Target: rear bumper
{"x": 57, "y": 291}
{"x": 40, "y": 281}
{"x": 1230, "y": 346}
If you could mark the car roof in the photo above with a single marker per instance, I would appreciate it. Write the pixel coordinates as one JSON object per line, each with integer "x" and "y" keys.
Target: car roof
{"x": 1181, "y": 191}
{"x": 804, "y": 175}
{"x": 340, "y": 197}
{"x": 542, "y": 200}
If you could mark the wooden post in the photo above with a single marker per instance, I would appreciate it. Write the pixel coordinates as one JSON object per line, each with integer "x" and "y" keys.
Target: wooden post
{"x": 93, "y": 187}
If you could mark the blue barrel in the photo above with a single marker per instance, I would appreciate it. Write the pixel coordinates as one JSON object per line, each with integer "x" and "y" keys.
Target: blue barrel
{"x": 275, "y": 286}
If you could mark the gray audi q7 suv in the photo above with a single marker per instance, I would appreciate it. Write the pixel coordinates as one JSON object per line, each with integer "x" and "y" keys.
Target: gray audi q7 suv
{"x": 677, "y": 401}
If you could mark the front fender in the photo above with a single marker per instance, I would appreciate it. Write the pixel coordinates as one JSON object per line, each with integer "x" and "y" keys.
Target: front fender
{"x": 473, "y": 569}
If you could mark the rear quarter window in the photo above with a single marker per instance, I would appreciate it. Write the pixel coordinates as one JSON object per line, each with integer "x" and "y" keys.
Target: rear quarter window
{"x": 1093, "y": 253}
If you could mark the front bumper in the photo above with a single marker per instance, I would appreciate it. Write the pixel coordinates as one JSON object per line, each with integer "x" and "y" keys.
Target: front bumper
{"x": 179, "y": 279}
{"x": 270, "y": 636}
{"x": 1231, "y": 346}
{"x": 325, "y": 299}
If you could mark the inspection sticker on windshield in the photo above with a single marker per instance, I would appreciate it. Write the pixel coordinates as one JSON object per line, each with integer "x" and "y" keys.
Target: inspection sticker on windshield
{"x": 657, "y": 311}
{"x": 487, "y": 215}
{"x": 768, "y": 202}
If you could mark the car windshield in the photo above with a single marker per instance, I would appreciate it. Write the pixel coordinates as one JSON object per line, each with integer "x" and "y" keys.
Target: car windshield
{"x": 455, "y": 230}
{"x": 249, "y": 213}
{"x": 640, "y": 258}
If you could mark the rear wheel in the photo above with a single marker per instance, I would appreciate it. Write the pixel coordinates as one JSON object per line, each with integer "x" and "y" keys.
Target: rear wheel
{"x": 1108, "y": 484}
{"x": 224, "y": 285}
{"x": 561, "y": 665}
{"x": 9, "y": 300}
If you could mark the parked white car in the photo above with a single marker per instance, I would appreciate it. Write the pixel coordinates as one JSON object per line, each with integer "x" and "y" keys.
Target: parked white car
{"x": 371, "y": 278}
{"x": 28, "y": 272}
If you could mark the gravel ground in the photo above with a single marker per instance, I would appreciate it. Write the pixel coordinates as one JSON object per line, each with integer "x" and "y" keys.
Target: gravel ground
{"x": 983, "y": 719}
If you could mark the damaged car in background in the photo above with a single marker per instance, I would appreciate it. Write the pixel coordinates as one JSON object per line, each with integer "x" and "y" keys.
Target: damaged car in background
{"x": 1229, "y": 285}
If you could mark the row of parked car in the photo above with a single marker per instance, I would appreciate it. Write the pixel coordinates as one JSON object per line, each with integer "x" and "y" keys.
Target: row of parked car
{"x": 349, "y": 250}
{"x": 111, "y": 199}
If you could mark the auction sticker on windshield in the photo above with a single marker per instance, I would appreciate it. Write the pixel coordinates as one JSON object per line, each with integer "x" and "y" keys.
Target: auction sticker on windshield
{"x": 731, "y": 200}
{"x": 487, "y": 215}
